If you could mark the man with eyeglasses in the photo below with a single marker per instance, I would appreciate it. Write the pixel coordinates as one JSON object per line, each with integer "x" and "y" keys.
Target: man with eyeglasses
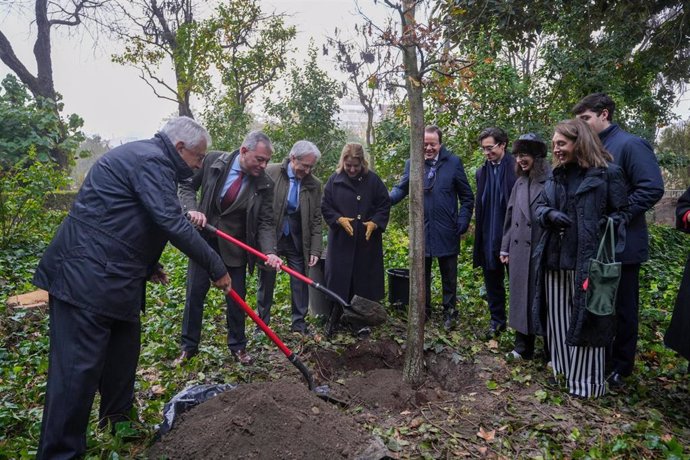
{"x": 236, "y": 197}
{"x": 297, "y": 223}
{"x": 495, "y": 180}
{"x": 445, "y": 183}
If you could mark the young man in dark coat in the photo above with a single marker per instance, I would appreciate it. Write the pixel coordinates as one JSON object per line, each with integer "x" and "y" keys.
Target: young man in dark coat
{"x": 495, "y": 180}
{"x": 445, "y": 183}
{"x": 95, "y": 271}
{"x": 236, "y": 198}
{"x": 297, "y": 219}
{"x": 645, "y": 187}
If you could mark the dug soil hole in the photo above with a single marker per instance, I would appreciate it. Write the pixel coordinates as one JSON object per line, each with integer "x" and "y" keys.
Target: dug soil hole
{"x": 369, "y": 374}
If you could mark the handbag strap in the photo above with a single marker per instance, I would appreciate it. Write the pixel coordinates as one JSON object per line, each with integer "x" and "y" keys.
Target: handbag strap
{"x": 607, "y": 245}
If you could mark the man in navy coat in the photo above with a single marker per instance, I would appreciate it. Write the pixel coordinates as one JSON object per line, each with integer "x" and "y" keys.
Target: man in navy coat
{"x": 645, "y": 188}
{"x": 495, "y": 180}
{"x": 445, "y": 183}
{"x": 95, "y": 271}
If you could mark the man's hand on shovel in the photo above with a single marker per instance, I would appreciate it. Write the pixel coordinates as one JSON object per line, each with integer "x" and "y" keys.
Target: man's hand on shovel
{"x": 273, "y": 261}
{"x": 198, "y": 219}
{"x": 224, "y": 283}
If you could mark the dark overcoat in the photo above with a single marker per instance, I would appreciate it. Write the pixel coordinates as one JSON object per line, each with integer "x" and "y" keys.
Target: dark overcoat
{"x": 354, "y": 266}
{"x": 644, "y": 183}
{"x": 507, "y": 183}
{"x": 677, "y": 336}
{"x": 110, "y": 242}
{"x": 522, "y": 232}
{"x": 602, "y": 193}
{"x": 444, "y": 223}
{"x": 249, "y": 218}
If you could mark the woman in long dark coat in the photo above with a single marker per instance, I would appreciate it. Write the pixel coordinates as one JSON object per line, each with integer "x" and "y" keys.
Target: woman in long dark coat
{"x": 521, "y": 233}
{"x": 583, "y": 191}
{"x": 677, "y": 336}
{"x": 355, "y": 207}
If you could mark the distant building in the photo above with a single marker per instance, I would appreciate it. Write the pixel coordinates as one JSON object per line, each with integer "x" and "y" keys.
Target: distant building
{"x": 353, "y": 117}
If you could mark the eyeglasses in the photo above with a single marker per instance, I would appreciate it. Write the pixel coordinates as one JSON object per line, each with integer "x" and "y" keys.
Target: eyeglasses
{"x": 197, "y": 155}
{"x": 488, "y": 148}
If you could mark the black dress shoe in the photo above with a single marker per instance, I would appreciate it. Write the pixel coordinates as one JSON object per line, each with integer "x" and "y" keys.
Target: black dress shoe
{"x": 185, "y": 356}
{"x": 616, "y": 381}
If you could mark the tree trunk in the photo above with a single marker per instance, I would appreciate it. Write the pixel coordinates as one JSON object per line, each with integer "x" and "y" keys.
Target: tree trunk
{"x": 413, "y": 371}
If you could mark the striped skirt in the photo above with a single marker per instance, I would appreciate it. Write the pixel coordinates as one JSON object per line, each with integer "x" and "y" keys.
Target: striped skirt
{"x": 583, "y": 367}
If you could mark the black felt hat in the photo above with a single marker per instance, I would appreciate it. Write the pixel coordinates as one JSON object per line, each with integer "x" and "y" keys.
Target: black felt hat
{"x": 530, "y": 143}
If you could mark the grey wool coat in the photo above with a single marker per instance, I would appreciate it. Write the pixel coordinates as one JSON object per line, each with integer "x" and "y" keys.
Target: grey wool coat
{"x": 521, "y": 233}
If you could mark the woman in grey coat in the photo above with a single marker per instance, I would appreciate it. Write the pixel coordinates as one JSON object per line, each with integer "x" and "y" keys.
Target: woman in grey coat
{"x": 521, "y": 232}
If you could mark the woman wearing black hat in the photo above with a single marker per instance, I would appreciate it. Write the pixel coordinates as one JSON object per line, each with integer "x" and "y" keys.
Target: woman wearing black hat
{"x": 521, "y": 232}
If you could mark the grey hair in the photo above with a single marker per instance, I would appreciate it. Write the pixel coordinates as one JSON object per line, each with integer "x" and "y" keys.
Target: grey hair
{"x": 304, "y": 148}
{"x": 187, "y": 130}
{"x": 253, "y": 138}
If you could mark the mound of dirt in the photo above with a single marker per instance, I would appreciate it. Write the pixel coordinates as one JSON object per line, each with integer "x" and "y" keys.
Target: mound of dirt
{"x": 267, "y": 420}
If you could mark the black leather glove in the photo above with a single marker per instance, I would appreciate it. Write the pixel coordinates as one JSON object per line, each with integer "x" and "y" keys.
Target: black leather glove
{"x": 559, "y": 219}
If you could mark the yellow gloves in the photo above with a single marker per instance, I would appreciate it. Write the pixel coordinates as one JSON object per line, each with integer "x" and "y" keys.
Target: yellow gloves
{"x": 345, "y": 223}
{"x": 371, "y": 226}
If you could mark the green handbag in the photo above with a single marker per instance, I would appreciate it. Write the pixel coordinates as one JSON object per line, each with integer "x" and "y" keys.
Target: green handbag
{"x": 604, "y": 275}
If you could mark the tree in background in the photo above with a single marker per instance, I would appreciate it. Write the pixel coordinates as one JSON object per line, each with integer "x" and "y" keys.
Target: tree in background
{"x": 29, "y": 123}
{"x": 49, "y": 15}
{"x": 365, "y": 66}
{"x": 561, "y": 51}
{"x": 166, "y": 32}
{"x": 673, "y": 153}
{"x": 250, "y": 54}
{"x": 237, "y": 43}
{"x": 307, "y": 109}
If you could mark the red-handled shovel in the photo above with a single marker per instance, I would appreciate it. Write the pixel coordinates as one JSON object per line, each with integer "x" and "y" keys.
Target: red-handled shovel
{"x": 272, "y": 335}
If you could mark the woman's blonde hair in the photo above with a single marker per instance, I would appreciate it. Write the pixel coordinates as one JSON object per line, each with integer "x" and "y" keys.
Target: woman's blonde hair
{"x": 352, "y": 151}
{"x": 588, "y": 149}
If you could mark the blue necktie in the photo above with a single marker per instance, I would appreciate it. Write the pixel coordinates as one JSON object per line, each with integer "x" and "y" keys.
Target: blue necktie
{"x": 292, "y": 204}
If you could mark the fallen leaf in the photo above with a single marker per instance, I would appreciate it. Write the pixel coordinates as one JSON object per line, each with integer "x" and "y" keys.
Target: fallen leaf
{"x": 486, "y": 435}
{"x": 666, "y": 437}
{"x": 483, "y": 450}
{"x": 157, "y": 390}
{"x": 416, "y": 422}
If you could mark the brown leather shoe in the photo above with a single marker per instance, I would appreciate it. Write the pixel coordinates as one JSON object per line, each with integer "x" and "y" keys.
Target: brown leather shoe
{"x": 242, "y": 357}
{"x": 185, "y": 356}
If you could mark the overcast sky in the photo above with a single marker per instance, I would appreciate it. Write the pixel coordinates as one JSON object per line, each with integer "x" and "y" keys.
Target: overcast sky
{"x": 116, "y": 104}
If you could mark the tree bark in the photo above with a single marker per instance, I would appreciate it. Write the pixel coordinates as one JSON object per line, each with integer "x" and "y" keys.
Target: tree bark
{"x": 413, "y": 370}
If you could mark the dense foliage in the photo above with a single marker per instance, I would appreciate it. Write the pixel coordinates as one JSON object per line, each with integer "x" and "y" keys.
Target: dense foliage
{"x": 28, "y": 122}
{"x": 307, "y": 109}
